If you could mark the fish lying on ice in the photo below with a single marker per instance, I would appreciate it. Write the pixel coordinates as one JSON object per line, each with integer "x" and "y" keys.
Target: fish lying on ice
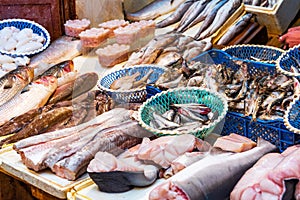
{"x": 14, "y": 82}
{"x": 265, "y": 180}
{"x": 154, "y": 10}
{"x": 212, "y": 177}
{"x": 36, "y": 95}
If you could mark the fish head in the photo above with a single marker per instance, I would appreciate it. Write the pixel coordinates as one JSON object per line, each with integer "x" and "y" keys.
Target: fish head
{"x": 24, "y": 73}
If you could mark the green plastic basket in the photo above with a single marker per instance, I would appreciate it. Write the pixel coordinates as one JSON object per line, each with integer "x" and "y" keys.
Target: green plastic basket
{"x": 161, "y": 102}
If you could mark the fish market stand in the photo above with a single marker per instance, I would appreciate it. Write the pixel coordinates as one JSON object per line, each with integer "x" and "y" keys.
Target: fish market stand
{"x": 18, "y": 182}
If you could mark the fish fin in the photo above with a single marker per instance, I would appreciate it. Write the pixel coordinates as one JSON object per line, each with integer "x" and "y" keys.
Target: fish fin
{"x": 263, "y": 142}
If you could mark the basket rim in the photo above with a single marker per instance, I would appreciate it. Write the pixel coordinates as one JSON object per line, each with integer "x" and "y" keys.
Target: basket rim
{"x": 257, "y": 46}
{"x": 280, "y": 69}
{"x": 171, "y": 132}
{"x": 127, "y": 68}
{"x": 286, "y": 116}
{"x": 30, "y": 53}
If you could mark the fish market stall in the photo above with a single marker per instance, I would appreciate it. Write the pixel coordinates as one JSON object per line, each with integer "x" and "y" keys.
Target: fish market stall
{"x": 135, "y": 102}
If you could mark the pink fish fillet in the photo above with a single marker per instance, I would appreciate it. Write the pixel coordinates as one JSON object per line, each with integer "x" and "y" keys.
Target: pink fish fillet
{"x": 165, "y": 149}
{"x": 265, "y": 180}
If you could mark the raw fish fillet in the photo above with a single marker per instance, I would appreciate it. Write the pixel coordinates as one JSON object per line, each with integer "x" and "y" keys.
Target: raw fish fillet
{"x": 234, "y": 143}
{"x": 212, "y": 177}
{"x": 265, "y": 180}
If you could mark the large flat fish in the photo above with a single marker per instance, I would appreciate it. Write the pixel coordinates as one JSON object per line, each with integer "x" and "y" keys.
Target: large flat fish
{"x": 36, "y": 95}
{"x": 154, "y": 10}
{"x": 14, "y": 82}
{"x": 64, "y": 48}
{"x": 212, "y": 177}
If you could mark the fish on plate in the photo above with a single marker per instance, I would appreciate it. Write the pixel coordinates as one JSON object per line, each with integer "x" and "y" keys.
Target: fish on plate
{"x": 213, "y": 177}
{"x": 36, "y": 95}
{"x": 14, "y": 82}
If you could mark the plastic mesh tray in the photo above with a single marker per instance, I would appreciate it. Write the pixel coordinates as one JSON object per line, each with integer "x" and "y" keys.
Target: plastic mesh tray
{"x": 292, "y": 116}
{"x": 256, "y": 53}
{"x": 274, "y": 131}
{"x": 289, "y": 62}
{"x": 132, "y": 95}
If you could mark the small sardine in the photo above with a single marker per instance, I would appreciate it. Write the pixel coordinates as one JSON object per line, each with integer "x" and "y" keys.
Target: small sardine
{"x": 163, "y": 123}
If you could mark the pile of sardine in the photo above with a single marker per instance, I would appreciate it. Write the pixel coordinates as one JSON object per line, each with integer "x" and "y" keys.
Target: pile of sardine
{"x": 211, "y": 13}
{"x": 261, "y": 96}
{"x": 183, "y": 117}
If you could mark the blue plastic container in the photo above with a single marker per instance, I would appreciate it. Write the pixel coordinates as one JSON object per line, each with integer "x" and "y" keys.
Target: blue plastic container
{"x": 272, "y": 130}
{"x": 21, "y": 24}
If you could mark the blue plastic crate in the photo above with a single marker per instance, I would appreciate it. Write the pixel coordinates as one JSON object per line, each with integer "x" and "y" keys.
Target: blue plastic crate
{"x": 273, "y": 130}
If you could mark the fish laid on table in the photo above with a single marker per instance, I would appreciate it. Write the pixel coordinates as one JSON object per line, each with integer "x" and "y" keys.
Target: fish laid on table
{"x": 14, "y": 82}
{"x": 212, "y": 177}
{"x": 265, "y": 180}
{"x": 64, "y": 48}
{"x": 154, "y": 10}
{"x": 80, "y": 85}
{"x": 194, "y": 10}
{"x": 58, "y": 70}
{"x": 210, "y": 17}
{"x": 176, "y": 15}
{"x": 68, "y": 151}
{"x": 235, "y": 29}
{"x": 220, "y": 18}
{"x": 39, "y": 124}
{"x": 36, "y": 95}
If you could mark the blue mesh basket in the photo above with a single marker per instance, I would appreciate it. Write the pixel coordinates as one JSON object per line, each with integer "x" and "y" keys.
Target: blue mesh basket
{"x": 132, "y": 95}
{"x": 289, "y": 62}
{"x": 259, "y": 53}
{"x": 292, "y": 116}
{"x": 161, "y": 102}
{"x": 274, "y": 131}
{"x": 21, "y": 24}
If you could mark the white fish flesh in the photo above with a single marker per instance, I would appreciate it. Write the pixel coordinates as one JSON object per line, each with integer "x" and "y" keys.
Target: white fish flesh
{"x": 212, "y": 177}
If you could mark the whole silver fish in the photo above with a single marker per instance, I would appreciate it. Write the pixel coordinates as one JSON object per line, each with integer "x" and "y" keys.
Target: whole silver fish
{"x": 235, "y": 29}
{"x": 222, "y": 15}
{"x": 64, "y": 48}
{"x": 154, "y": 10}
{"x": 14, "y": 82}
{"x": 176, "y": 15}
{"x": 210, "y": 18}
{"x": 213, "y": 177}
{"x": 191, "y": 14}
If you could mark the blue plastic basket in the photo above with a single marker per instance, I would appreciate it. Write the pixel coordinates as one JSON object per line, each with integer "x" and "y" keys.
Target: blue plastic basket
{"x": 21, "y": 24}
{"x": 292, "y": 116}
{"x": 133, "y": 95}
{"x": 265, "y": 54}
{"x": 274, "y": 131}
{"x": 289, "y": 61}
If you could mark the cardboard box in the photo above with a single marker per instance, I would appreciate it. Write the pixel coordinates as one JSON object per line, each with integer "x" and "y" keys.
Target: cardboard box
{"x": 278, "y": 18}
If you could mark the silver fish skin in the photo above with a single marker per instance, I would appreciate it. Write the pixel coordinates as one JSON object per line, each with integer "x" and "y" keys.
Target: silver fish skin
{"x": 191, "y": 14}
{"x": 235, "y": 29}
{"x": 176, "y": 15}
{"x": 213, "y": 177}
{"x": 222, "y": 15}
{"x": 210, "y": 18}
{"x": 164, "y": 123}
{"x": 64, "y": 48}
{"x": 202, "y": 15}
{"x": 154, "y": 10}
